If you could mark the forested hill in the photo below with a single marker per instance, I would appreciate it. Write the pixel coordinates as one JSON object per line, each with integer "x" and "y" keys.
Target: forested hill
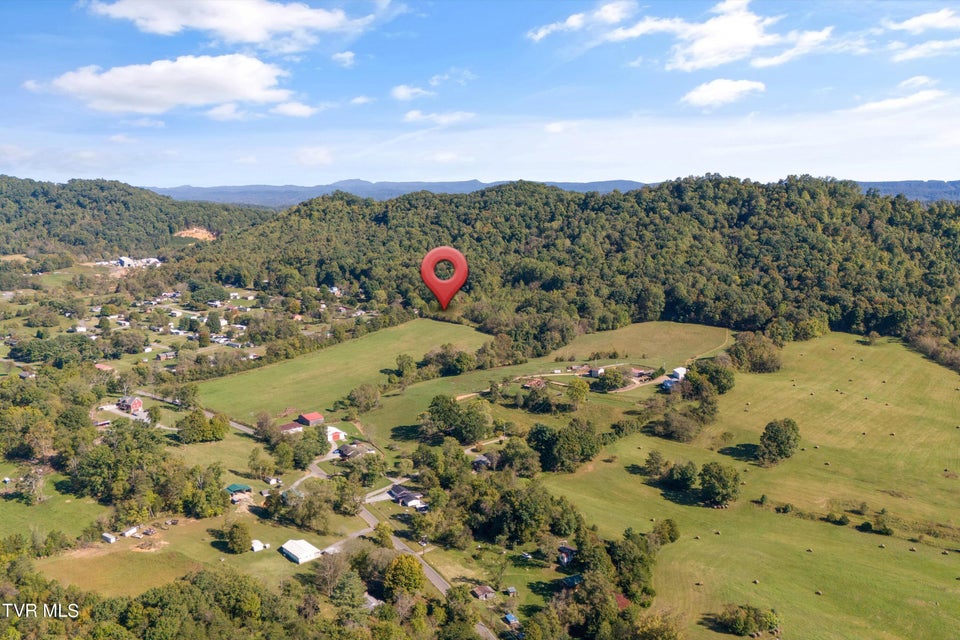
{"x": 289, "y": 195}
{"x": 96, "y": 218}
{"x": 789, "y": 257}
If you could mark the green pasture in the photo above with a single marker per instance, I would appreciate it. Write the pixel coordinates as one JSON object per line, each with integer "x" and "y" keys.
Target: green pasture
{"x": 315, "y": 381}
{"x": 59, "y": 511}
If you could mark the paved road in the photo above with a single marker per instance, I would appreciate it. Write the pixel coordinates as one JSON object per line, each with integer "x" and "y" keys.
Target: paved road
{"x": 236, "y": 425}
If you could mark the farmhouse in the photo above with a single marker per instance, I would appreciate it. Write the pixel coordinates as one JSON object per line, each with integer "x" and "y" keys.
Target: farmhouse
{"x": 311, "y": 419}
{"x": 351, "y": 451}
{"x": 130, "y": 404}
{"x": 566, "y": 554}
{"x": 481, "y": 462}
{"x": 291, "y": 427}
{"x": 335, "y": 435}
{"x": 405, "y": 497}
{"x": 483, "y": 592}
{"x": 300, "y": 551}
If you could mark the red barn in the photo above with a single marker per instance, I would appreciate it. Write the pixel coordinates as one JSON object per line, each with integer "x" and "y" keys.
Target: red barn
{"x": 130, "y": 404}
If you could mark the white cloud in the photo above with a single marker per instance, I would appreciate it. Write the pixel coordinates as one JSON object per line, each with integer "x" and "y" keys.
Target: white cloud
{"x": 916, "y": 82}
{"x": 733, "y": 34}
{"x": 345, "y": 59}
{"x": 722, "y": 91}
{"x": 11, "y": 153}
{"x": 405, "y": 92}
{"x": 32, "y": 85}
{"x": 450, "y": 117}
{"x": 928, "y": 49}
{"x": 314, "y": 156}
{"x": 149, "y": 123}
{"x": 806, "y": 42}
{"x": 607, "y": 14}
{"x": 460, "y": 76}
{"x": 162, "y": 85}
{"x": 558, "y": 127}
{"x": 122, "y": 138}
{"x": 449, "y": 157}
{"x": 899, "y": 104}
{"x": 361, "y": 100}
{"x": 283, "y": 27}
{"x": 294, "y": 110}
{"x": 943, "y": 19}
{"x": 227, "y": 112}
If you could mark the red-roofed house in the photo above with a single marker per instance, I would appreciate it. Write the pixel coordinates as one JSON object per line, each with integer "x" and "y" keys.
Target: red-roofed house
{"x": 311, "y": 419}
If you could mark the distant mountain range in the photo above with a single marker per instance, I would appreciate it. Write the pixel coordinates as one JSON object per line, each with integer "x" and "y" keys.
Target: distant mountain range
{"x": 289, "y": 195}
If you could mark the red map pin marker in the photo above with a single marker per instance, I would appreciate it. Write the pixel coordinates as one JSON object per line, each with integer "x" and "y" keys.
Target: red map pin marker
{"x": 444, "y": 289}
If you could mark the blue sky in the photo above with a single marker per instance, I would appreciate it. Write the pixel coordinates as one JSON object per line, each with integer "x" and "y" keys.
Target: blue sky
{"x": 218, "y": 92}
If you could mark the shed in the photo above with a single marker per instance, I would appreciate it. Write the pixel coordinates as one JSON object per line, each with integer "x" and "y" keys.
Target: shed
{"x": 512, "y": 592}
{"x": 300, "y": 551}
{"x": 256, "y": 545}
{"x": 483, "y": 592}
{"x": 130, "y": 532}
{"x": 679, "y": 373}
{"x": 596, "y": 373}
{"x": 291, "y": 427}
{"x": 109, "y": 538}
{"x": 511, "y": 620}
{"x": 311, "y": 419}
{"x": 239, "y": 488}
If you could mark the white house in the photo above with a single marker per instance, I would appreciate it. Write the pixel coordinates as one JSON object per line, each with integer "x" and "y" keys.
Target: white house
{"x": 335, "y": 435}
{"x": 300, "y": 551}
{"x": 256, "y": 545}
{"x": 679, "y": 373}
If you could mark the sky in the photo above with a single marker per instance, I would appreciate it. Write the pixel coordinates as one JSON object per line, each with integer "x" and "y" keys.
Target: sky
{"x": 229, "y": 92}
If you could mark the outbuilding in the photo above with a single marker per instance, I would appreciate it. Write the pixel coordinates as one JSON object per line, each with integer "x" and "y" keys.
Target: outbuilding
{"x": 300, "y": 551}
{"x": 109, "y": 538}
{"x": 256, "y": 545}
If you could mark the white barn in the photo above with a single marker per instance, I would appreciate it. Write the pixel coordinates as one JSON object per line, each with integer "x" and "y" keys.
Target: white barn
{"x": 300, "y": 551}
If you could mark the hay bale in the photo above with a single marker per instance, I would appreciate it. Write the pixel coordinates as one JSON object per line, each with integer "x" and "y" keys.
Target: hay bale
{"x": 755, "y": 581}
{"x": 914, "y": 549}
{"x": 809, "y": 550}
{"x": 818, "y": 592}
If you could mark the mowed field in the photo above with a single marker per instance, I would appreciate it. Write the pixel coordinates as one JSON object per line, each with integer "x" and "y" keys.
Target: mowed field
{"x": 315, "y": 381}
{"x": 837, "y": 390}
{"x": 124, "y": 569}
{"x": 60, "y": 511}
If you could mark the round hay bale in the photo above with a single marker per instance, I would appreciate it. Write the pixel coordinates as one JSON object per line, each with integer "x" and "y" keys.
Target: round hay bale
{"x": 818, "y": 592}
{"x": 755, "y": 581}
{"x": 914, "y": 549}
{"x": 883, "y": 546}
{"x": 809, "y": 550}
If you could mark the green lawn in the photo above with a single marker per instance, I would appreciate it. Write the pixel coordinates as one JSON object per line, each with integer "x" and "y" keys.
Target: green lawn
{"x": 61, "y": 511}
{"x": 122, "y": 569}
{"x": 652, "y": 343}
{"x": 315, "y": 381}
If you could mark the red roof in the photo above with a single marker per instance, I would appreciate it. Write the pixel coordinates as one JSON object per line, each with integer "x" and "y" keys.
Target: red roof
{"x": 313, "y": 415}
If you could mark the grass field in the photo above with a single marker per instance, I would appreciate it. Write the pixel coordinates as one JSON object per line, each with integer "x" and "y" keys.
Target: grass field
{"x": 315, "y": 381}
{"x": 122, "y": 569}
{"x": 59, "y": 511}
{"x": 868, "y": 592}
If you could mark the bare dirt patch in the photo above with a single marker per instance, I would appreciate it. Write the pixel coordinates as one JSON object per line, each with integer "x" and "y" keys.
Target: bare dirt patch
{"x": 198, "y": 233}
{"x": 151, "y": 545}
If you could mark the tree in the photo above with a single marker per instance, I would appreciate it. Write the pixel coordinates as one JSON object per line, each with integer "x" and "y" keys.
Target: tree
{"x": 238, "y": 537}
{"x": 719, "y": 484}
{"x": 655, "y": 464}
{"x": 364, "y": 398}
{"x": 154, "y": 413}
{"x": 382, "y": 535}
{"x": 577, "y": 392}
{"x": 517, "y": 455}
{"x": 404, "y": 575}
{"x": 475, "y": 422}
{"x": 348, "y": 595}
{"x": 258, "y": 463}
{"x": 610, "y": 380}
{"x": 682, "y": 477}
{"x": 283, "y": 455}
{"x": 779, "y": 441}
{"x": 194, "y": 427}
